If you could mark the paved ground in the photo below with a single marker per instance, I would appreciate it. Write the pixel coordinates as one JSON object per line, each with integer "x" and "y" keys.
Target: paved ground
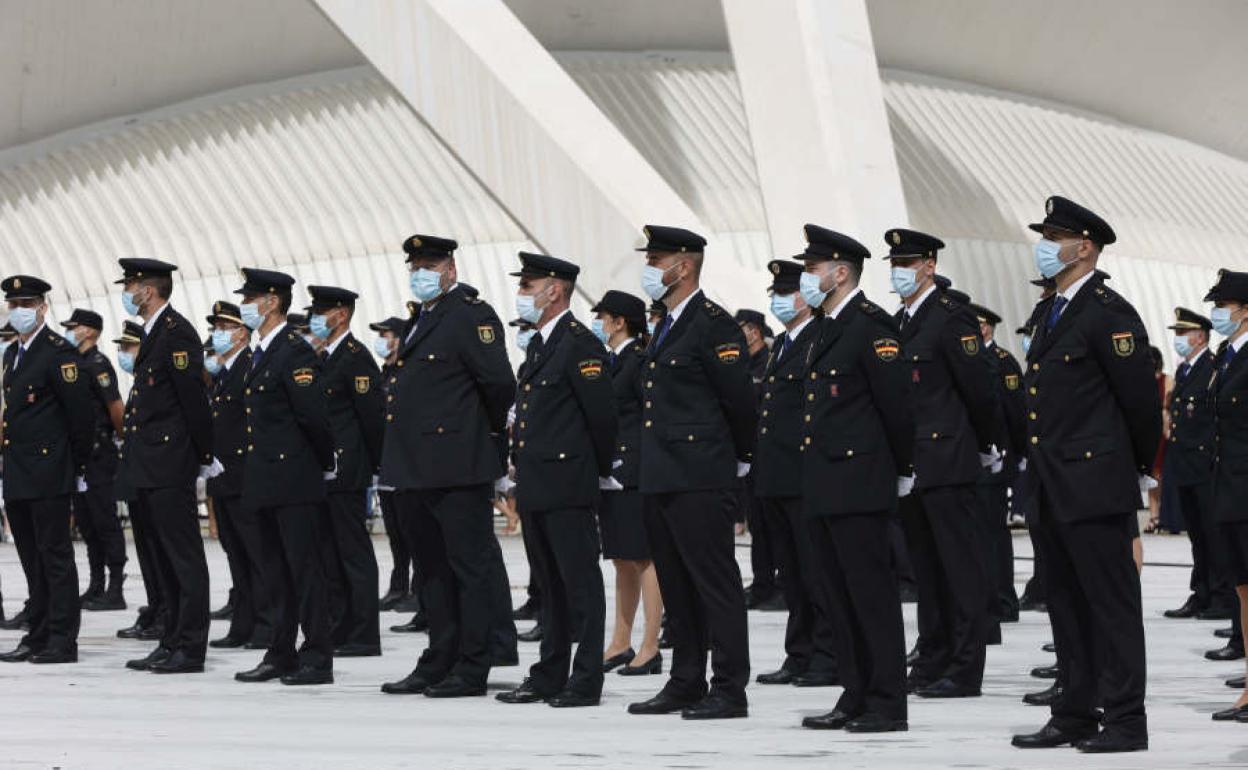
{"x": 97, "y": 714}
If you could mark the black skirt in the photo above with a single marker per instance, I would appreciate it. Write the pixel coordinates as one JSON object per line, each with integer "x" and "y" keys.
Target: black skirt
{"x": 622, "y": 526}
{"x": 1236, "y": 535}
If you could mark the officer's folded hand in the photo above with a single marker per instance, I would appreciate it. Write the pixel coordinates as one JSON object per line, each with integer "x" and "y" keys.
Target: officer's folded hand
{"x": 503, "y": 483}
{"x": 905, "y": 485}
{"x": 376, "y": 482}
{"x": 331, "y": 475}
{"x": 991, "y": 460}
{"x": 1022, "y": 465}
{"x": 211, "y": 470}
{"x": 1146, "y": 483}
{"x": 609, "y": 484}
{"x": 80, "y": 484}
{"x": 743, "y": 469}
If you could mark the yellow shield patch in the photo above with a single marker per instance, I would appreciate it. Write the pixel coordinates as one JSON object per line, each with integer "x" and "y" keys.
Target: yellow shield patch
{"x": 69, "y": 372}
{"x": 887, "y": 348}
{"x": 729, "y": 353}
{"x": 181, "y": 360}
{"x": 362, "y": 384}
{"x": 590, "y": 368}
{"x": 970, "y": 344}
{"x": 303, "y": 376}
{"x": 1011, "y": 382}
{"x": 485, "y": 333}
{"x": 104, "y": 379}
{"x": 1124, "y": 343}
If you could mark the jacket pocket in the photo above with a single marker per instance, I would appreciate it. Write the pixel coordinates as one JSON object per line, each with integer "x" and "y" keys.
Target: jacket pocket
{"x": 1090, "y": 448}
{"x": 438, "y": 426}
{"x": 691, "y": 433}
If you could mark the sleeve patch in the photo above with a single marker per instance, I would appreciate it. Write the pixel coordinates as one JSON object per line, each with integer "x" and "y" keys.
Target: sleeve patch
{"x": 1011, "y": 382}
{"x": 303, "y": 376}
{"x": 590, "y": 368}
{"x": 1124, "y": 343}
{"x": 728, "y": 353}
{"x": 362, "y": 384}
{"x": 69, "y": 372}
{"x": 887, "y": 348}
{"x": 970, "y": 344}
{"x": 485, "y": 333}
{"x": 181, "y": 360}
{"x": 104, "y": 379}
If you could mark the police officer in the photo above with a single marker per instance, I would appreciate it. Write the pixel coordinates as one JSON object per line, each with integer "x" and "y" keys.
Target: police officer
{"x": 1034, "y": 596}
{"x": 253, "y": 616}
{"x": 854, "y": 446}
{"x": 809, "y": 644}
{"x": 48, "y": 425}
{"x": 993, "y": 488}
{"x": 952, "y": 398}
{"x": 1093, "y": 429}
{"x": 95, "y": 511}
{"x": 352, "y": 385}
{"x": 696, "y": 441}
{"x": 765, "y": 591}
{"x": 1228, "y": 392}
{"x": 1188, "y": 468}
{"x": 564, "y": 446}
{"x": 290, "y": 457}
{"x": 444, "y": 448}
{"x": 168, "y": 443}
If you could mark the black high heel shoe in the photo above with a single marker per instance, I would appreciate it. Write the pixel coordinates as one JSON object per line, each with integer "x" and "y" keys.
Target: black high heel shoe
{"x": 615, "y": 661}
{"x": 652, "y": 666}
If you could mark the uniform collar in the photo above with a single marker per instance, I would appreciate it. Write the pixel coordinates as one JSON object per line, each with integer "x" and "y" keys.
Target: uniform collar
{"x": 834, "y": 312}
{"x": 620, "y": 348}
{"x": 331, "y": 347}
{"x": 792, "y": 334}
{"x": 913, "y": 309}
{"x": 675, "y": 312}
{"x": 1074, "y": 288}
{"x": 150, "y": 323}
{"x": 548, "y": 328}
{"x": 263, "y": 344}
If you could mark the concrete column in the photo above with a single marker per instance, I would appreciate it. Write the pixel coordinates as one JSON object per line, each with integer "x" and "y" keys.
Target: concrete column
{"x": 815, "y": 106}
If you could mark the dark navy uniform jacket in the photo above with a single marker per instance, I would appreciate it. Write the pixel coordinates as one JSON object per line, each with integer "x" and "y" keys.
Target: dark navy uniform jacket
{"x": 777, "y": 470}
{"x": 352, "y": 385}
{"x": 229, "y": 426}
{"x": 1229, "y": 394}
{"x": 1189, "y": 454}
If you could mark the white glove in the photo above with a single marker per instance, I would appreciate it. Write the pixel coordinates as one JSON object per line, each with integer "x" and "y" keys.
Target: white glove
{"x": 1022, "y": 465}
{"x": 742, "y": 469}
{"x": 117, "y": 442}
{"x": 384, "y": 488}
{"x": 212, "y": 470}
{"x": 1146, "y": 483}
{"x": 331, "y": 475}
{"x": 905, "y": 485}
{"x": 502, "y": 484}
{"x": 609, "y": 484}
{"x": 992, "y": 460}
{"x": 80, "y": 483}
{"x": 376, "y": 481}
{"x": 616, "y": 463}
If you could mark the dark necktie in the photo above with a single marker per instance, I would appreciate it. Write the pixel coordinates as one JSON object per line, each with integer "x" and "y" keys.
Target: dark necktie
{"x": 1227, "y": 358}
{"x": 256, "y": 357}
{"x": 661, "y": 332}
{"x": 18, "y": 358}
{"x": 612, "y": 358}
{"x": 1184, "y": 368}
{"x": 1055, "y": 312}
{"x": 784, "y": 345}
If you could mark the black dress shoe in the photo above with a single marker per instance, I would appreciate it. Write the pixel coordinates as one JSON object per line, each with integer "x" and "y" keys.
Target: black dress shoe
{"x": 56, "y": 656}
{"x": 527, "y": 611}
{"x": 715, "y": 707}
{"x": 158, "y": 655}
{"x": 130, "y": 632}
{"x": 1235, "y": 682}
{"x": 177, "y": 663}
{"x": 409, "y": 603}
{"x": 916, "y": 682}
{"x": 413, "y": 684}
{"x": 779, "y": 676}
{"x": 392, "y": 597}
{"x": 454, "y": 687}
{"x": 151, "y": 633}
{"x": 1225, "y": 633}
{"x": 571, "y": 700}
{"x": 1225, "y": 653}
{"x": 650, "y": 667}
{"x": 1049, "y": 647}
{"x": 946, "y": 688}
{"x": 227, "y": 643}
{"x": 875, "y": 723}
{"x": 356, "y": 651}
{"x": 1044, "y": 697}
{"x": 264, "y": 672}
{"x": 1230, "y": 715}
{"x": 1215, "y": 613}
{"x": 225, "y": 613}
{"x": 525, "y": 693}
{"x": 1188, "y": 610}
{"x": 615, "y": 661}
{"x": 821, "y": 679}
{"x": 833, "y": 720}
{"x": 417, "y": 624}
{"x": 659, "y": 704}
{"x": 1110, "y": 742}
{"x": 19, "y": 622}
{"x": 306, "y": 675}
{"x": 534, "y": 634}
{"x": 1045, "y": 672}
{"x": 1050, "y": 737}
{"x": 19, "y": 654}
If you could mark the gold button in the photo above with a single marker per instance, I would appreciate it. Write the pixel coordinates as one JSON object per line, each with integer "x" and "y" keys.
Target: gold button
{"x": 764, "y": 412}
{"x": 849, "y": 453}
{"x": 651, "y": 364}
{"x": 240, "y": 450}
{"x": 1087, "y": 454}
{"x": 649, "y": 383}
{"x": 430, "y": 356}
{"x": 282, "y": 456}
{"x": 807, "y": 418}
{"x": 763, "y": 429}
{"x": 394, "y": 380}
{"x": 647, "y": 423}
{"x": 166, "y": 438}
{"x": 1032, "y": 415}
{"x": 1035, "y": 439}
{"x": 440, "y": 429}
{"x": 250, "y": 447}
{"x": 814, "y": 376}
{"x": 691, "y": 437}
{"x": 810, "y": 396}
{"x": 673, "y": 362}
{"x": 400, "y": 363}
{"x": 1067, "y": 357}
{"x": 389, "y": 398}
{"x": 935, "y": 435}
{"x": 521, "y": 444}
{"x": 247, "y": 410}
{"x": 389, "y": 418}
{"x": 808, "y": 439}
{"x": 562, "y": 455}
{"x": 647, "y": 404}
{"x": 527, "y": 387}
{"x": 524, "y": 406}
{"x": 1035, "y": 367}
{"x": 215, "y": 413}
{"x": 1032, "y": 390}
{"x": 832, "y": 371}
{"x": 772, "y": 378}
{"x": 767, "y": 396}
{"x": 801, "y": 449}
{"x": 247, "y": 392}
{"x": 623, "y": 448}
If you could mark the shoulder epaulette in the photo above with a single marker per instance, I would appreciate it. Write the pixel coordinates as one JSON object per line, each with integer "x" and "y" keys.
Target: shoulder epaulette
{"x": 471, "y": 299}
{"x": 353, "y": 346}
{"x": 1002, "y": 353}
{"x": 1105, "y": 295}
{"x": 869, "y": 307}
{"x": 56, "y": 339}
{"x": 949, "y": 302}
{"x": 578, "y": 328}
{"x": 712, "y": 309}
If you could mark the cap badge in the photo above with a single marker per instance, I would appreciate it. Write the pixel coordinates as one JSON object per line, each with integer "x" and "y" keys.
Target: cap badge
{"x": 896, "y": 238}
{"x": 1048, "y": 206}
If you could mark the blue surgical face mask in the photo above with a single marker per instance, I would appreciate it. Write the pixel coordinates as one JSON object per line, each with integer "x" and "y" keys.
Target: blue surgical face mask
{"x": 125, "y": 359}
{"x": 809, "y": 285}
{"x": 1182, "y": 346}
{"x": 651, "y": 327}
{"x": 784, "y": 307}
{"x": 222, "y": 341}
{"x": 381, "y": 346}
{"x": 905, "y": 281}
{"x": 1221, "y": 316}
{"x": 70, "y": 337}
{"x": 527, "y": 308}
{"x": 127, "y": 302}
{"x": 23, "y": 319}
{"x": 425, "y": 284}
{"x": 212, "y": 364}
{"x": 523, "y": 338}
{"x": 652, "y": 281}
{"x": 251, "y": 315}
{"x": 319, "y": 326}
{"x": 1026, "y": 344}
{"x": 1048, "y": 258}
{"x": 599, "y": 332}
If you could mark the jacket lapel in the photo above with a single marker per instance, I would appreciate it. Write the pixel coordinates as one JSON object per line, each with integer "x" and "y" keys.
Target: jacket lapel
{"x": 546, "y": 351}
{"x": 682, "y": 323}
{"x": 424, "y": 324}
{"x": 1064, "y": 321}
{"x": 266, "y": 358}
{"x": 149, "y": 339}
